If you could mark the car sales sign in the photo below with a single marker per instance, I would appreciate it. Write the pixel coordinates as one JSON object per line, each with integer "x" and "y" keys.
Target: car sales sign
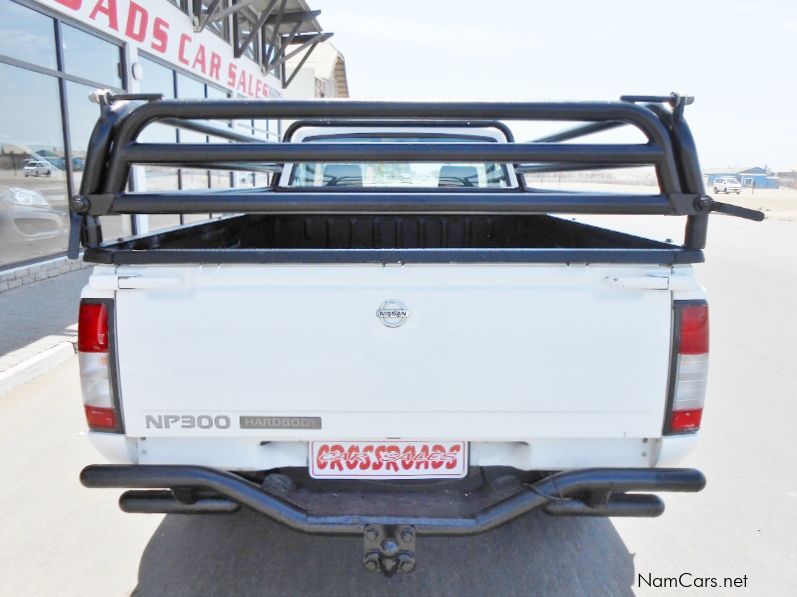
{"x": 163, "y": 30}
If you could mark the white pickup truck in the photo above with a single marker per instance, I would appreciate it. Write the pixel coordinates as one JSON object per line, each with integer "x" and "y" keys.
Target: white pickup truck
{"x": 398, "y": 337}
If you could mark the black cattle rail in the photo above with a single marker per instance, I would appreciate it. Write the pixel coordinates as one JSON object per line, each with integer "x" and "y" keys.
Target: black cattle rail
{"x": 114, "y": 148}
{"x": 361, "y": 201}
{"x": 585, "y": 492}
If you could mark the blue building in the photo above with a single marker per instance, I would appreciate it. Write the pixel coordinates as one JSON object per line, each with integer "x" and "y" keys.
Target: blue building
{"x": 754, "y": 178}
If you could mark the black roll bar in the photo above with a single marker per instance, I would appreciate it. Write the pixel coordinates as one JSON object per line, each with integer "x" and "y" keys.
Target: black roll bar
{"x": 199, "y": 153}
{"x": 580, "y": 131}
{"x": 132, "y": 123}
{"x": 336, "y": 201}
{"x": 214, "y": 131}
{"x": 689, "y": 168}
{"x": 669, "y": 148}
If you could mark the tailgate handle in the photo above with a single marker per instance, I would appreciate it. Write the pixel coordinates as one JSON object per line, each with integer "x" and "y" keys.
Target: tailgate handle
{"x": 144, "y": 282}
{"x": 654, "y": 282}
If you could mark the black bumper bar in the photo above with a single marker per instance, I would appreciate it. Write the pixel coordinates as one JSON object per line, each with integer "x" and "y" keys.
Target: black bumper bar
{"x": 590, "y": 492}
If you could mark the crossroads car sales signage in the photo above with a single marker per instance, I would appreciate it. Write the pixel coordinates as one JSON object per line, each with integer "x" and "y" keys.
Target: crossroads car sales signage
{"x": 160, "y": 28}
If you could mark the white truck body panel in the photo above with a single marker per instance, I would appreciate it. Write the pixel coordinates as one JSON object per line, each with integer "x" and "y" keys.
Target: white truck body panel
{"x": 579, "y": 377}
{"x": 536, "y": 366}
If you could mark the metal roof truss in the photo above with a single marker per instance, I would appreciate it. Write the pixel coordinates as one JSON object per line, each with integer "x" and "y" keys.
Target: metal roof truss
{"x": 284, "y": 31}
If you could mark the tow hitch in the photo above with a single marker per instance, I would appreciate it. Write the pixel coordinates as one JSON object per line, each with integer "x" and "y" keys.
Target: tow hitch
{"x": 389, "y": 548}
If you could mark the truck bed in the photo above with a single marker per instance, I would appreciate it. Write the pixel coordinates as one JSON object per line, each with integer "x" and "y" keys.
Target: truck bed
{"x": 374, "y": 238}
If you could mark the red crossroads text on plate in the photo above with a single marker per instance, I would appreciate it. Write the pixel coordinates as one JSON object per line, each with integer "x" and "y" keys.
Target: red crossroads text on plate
{"x": 388, "y": 459}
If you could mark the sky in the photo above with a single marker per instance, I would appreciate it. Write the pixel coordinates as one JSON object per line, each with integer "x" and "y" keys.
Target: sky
{"x": 738, "y": 58}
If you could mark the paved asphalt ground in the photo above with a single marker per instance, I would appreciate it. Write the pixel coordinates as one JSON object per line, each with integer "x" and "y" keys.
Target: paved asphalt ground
{"x": 39, "y": 316}
{"x": 57, "y": 538}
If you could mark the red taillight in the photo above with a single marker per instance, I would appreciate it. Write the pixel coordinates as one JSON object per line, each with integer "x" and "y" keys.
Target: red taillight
{"x": 100, "y": 418}
{"x": 686, "y": 420}
{"x": 691, "y": 366}
{"x": 95, "y": 367}
{"x": 92, "y": 329}
{"x": 694, "y": 329}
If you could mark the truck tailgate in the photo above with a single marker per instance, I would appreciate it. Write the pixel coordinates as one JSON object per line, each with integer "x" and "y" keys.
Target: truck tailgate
{"x": 488, "y": 352}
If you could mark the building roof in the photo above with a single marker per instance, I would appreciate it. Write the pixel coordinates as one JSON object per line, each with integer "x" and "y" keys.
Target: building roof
{"x": 735, "y": 170}
{"x": 293, "y": 8}
{"x": 288, "y": 28}
{"x": 327, "y": 63}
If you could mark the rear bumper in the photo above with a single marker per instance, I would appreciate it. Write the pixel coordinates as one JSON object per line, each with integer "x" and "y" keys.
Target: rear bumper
{"x": 534, "y": 454}
{"x": 585, "y": 492}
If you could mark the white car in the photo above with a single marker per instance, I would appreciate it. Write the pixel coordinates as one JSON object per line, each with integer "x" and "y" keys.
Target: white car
{"x": 727, "y": 184}
{"x": 37, "y": 168}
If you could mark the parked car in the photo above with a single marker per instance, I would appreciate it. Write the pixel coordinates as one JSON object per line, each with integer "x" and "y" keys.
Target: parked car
{"x": 398, "y": 337}
{"x": 38, "y": 168}
{"x": 727, "y": 184}
{"x": 28, "y": 222}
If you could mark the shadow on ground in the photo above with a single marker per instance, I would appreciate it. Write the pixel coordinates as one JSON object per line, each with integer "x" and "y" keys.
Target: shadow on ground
{"x": 248, "y": 554}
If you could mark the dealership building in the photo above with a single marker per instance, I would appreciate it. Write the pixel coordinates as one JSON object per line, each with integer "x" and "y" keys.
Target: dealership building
{"x": 55, "y": 53}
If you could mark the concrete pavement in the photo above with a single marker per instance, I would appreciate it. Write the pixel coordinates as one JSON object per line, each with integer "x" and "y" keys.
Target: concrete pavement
{"x": 39, "y": 315}
{"x": 56, "y": 538}
{"x": 38, "y": 322}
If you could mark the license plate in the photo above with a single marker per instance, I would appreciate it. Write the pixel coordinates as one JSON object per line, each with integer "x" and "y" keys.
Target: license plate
{"x": 388, "y": 460}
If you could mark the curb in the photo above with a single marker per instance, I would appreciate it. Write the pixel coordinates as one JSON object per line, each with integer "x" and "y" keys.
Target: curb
{"x": 25, "y": 275}
{"x": 35, "y": 366}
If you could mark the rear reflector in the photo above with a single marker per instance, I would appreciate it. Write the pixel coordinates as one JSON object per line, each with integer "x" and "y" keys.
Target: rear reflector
{"x": 691, "y": 366}
{"x": 100, "y": 418}
{"x": 95, "y": 367}
{"x": 686, "y": 420}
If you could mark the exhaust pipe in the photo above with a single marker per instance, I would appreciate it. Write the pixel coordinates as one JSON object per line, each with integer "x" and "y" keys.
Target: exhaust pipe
{"x": 165, "y": 502}
{"x": 630, "y": 504}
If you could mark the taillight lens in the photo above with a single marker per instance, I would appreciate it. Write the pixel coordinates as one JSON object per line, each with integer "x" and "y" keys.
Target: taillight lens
{"x": 93, "y": 328}
{"x": 93, "y": 343}
{"x": 691, "y": 366}
{"x": 693, "y": 321}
